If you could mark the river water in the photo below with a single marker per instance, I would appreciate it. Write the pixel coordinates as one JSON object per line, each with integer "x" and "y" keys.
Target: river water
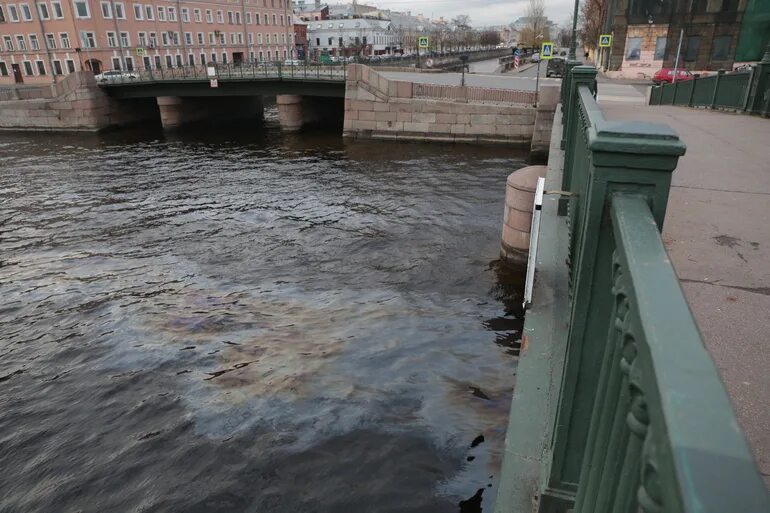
{"x": 247, "y": 321}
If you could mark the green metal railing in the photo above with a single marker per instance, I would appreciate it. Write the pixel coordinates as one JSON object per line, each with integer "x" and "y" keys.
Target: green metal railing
{"x": 745, "y": 90}
{"x": 643, "y": 421}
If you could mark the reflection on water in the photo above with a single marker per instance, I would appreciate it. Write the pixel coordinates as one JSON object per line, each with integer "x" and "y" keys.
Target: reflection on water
{"x": 239, "y": 321}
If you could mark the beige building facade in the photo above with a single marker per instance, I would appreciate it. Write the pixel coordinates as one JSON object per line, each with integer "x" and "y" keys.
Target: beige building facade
{"x": 41, "y": 41}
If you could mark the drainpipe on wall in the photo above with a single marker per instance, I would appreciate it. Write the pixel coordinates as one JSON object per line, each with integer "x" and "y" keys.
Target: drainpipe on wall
{"x": 44, "y": 40}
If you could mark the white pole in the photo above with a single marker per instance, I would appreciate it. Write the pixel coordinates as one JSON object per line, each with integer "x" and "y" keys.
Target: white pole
{"x": 678, "y": 52}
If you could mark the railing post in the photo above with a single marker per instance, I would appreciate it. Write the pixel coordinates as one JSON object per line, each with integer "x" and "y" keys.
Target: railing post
{"x": 565, "y": 98}
{"x": 632, "y": 158}
{"x": 579, "y": 76}
{"x": 676, "y": 88}
{"x": 692, "y": 91}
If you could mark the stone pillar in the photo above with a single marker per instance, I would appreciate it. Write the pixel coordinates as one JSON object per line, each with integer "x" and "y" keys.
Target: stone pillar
{"x": 173, "y": 113}
{"x": 290, "y": 112}
{"x": 517, "y": 218}
{"x": 547, "y": 100}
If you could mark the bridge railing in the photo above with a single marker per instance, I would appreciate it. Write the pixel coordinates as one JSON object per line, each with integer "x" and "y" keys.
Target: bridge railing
{"x": 745, "y": 90}
{"x": 473, "y": 94}
{"x": 643, "y": 421}
{"x": 226, "y": 72}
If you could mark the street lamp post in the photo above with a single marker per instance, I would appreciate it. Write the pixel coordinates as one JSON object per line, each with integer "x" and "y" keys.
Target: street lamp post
{"x": 573, "y": 37}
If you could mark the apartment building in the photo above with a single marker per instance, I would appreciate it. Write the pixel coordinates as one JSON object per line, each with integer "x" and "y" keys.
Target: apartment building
{"x": 42, "y": 40}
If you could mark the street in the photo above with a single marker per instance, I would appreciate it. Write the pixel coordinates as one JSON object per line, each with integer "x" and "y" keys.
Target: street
{"x": 524, "y": 81}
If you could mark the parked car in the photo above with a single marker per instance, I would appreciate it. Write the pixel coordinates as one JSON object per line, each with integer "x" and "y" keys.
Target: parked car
{"x": 555, "y": 67}
{"x": 666, "y": 75}
{"x": 293, "y": 62}
{"x": 115, "y": 76}
{"x": 536, "y": 57}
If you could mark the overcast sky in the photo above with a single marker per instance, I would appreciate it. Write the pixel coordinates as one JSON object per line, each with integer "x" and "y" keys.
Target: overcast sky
{"x": 482, "y": 12}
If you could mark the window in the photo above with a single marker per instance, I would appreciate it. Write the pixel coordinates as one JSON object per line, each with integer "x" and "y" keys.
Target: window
{"x": 153, "y": 40}
{"x": 318, "y": 41}
{"x": 220, "y": 17}
{"x": 161, "y": 13}
{"x": 142, "y": 38}
{"x": 2, "y": 17}
{"x": 191, "y": 60}
{"x": 200, "y": 38}
{"x": 185, "y": 14}
{"x": 211, "y": 38}
{"x": 224, "y": 57}
{"x": 288, "y": 20}
{"x": 172, "y": 14}
{"x": 129, "y": 63}
{"x": 248, "y": 19}
{"x": 164, "y": 38}
{"x": 721, "y": 50}
{"x": 237, "y": 18}
{"x": 138, "y": 12}
{"x": 106, "y": 10}
{"x": 281, "y": 19}
{"x": 261, "y": 56}
{"x": 157, "y": 62}
{"x": 222, "y": 40}
{"x": 634, "y": 48}
{"x": 149, "y": 13}
{"x": 13, "y": 13}
{"x": 111, "y": 42}
{"x": 34, "y": 44}
{"x": 240, "y": 38}
{"x": 50, "y": 41}
{"x": 197, "y": 15}
{"x": 203, "y": 59}
{"x": 20, "y": 43}
{"x": 230, "y": 17}
{"x": 70, "y": 66}
{"x": 213, "y": 57}
{"x": 275, "y": 39}
{"x": 65, "y": 39}
{"x": 283, "y": 39}
{"x": 275, "y": 18}
{"x": 8, "y": 43}
{"x": 267, "y": 19}
{"x": 256, "y": 18}
{"x": 693, "y": 45}
{"x": 169, "y": 62}
{"x": 232, "y": 38}
{"x": 42, "y": 9}
{"x": 250, "y": 38}
{"x": 124, "y": 39}
{"x": 57, "y": 69}
{"x": 58, "y": 13}
{"x": 251, "y": 56}
{"x": 175, "y": 38}
{"x": 28, "y": 68}
{"x": 331, "y": 41}
{"x": 26, "y": 13}
{"x": 3, "y": 69}
{"x": 209, "y": 16}
{"x": 179, "y": 60}
{"x": 88, "y": 39}
{"x": 115, "y": 63}
{"x": 188, "y": 38}
{"x": 259, "y": 38}
{"x": 660, "y": 48}
{"x": 81, "y": 9}
{"x": 120, "y": 11}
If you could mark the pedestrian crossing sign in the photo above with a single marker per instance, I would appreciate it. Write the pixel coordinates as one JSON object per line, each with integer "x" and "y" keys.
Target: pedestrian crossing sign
{"x": 546, "y": 51}
{"x": 605, "y": 40}
{"x": 423, "y": 42}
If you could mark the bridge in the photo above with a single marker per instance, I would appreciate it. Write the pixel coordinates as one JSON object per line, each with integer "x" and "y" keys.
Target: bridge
{"x": 618, "y": 405}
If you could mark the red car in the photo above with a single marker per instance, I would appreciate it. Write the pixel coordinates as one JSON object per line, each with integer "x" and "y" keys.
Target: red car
{"x": 666, "y": 75}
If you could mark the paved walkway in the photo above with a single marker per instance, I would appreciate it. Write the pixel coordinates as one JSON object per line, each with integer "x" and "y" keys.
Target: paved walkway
{"x": 717, "y": 232}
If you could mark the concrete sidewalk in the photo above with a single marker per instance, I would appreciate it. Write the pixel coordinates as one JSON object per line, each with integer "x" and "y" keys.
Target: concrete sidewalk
{"x": 717, "y": 232}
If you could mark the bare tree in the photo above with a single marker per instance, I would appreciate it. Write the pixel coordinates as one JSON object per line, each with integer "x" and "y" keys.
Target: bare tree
{"x": 564, "y": 35}
{"x": 536, "y": 29}
{"x": 591, "y": 20}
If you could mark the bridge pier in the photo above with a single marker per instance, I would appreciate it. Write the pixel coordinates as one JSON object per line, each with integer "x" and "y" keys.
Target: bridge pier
{"x": 290, "y": 112}
{"x": 178, "y": 111}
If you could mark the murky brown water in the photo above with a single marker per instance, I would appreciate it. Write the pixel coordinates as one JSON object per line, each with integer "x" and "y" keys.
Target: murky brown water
{"x": 251, "y": 323}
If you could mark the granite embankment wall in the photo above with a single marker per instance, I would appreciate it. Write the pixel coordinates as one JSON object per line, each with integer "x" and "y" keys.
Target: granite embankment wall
{"x": 379, "y": 108}
{"x": 74, "y": 103}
